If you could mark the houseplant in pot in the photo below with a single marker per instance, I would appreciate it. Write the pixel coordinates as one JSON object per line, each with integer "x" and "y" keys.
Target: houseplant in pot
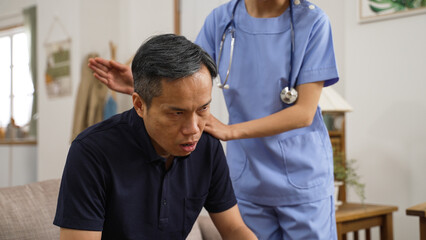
{"x": 345, "y": 173}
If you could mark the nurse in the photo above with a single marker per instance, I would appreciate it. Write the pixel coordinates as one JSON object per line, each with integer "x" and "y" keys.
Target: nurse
{"x": 279, "y": 153}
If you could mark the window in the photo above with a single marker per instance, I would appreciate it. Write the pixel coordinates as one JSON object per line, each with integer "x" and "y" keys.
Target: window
{"x": 16, "y": 85}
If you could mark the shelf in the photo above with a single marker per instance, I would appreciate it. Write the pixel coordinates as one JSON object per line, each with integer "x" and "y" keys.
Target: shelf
{"x": 18, "y": 142}
{"x": 335, "y": 133}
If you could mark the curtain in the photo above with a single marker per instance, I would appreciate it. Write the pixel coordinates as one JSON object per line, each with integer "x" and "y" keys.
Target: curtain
{"x": 30, "y": 25}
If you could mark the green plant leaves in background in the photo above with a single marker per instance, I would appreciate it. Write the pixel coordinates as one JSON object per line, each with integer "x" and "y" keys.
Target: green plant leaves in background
{"x": 378, "y": 6}
{"x": 345, "y": 170}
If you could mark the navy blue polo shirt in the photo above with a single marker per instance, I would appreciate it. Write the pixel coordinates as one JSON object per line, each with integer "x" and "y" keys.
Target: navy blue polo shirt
{"x": 115, "y": 182}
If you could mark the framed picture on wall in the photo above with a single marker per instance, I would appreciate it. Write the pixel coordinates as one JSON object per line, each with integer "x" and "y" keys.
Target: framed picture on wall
{"x": 375, "y": 10}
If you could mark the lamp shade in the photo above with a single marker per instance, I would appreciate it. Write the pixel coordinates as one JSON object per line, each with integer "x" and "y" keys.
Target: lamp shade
{"x": 332, "y": 101}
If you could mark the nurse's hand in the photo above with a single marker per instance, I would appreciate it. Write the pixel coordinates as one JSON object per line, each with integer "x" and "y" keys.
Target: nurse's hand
{"x": 217, "y": 129}
{"x": 114, "y": 75}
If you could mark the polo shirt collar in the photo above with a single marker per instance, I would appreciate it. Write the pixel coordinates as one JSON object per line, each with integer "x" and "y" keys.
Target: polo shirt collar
{"x": 142, "y": 138}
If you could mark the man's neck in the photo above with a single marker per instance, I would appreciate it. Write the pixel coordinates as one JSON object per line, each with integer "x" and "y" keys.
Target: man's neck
{"x": 266, "y": 8}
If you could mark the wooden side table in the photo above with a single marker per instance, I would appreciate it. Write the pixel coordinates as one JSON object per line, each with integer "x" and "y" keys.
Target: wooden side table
{"x": 420, "y": 211}
{"x": 352, "y": 217}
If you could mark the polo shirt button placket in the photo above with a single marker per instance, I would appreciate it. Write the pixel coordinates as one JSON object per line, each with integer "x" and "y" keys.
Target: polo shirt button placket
{"x": 164, "y": 211}
{"x": 164, "y": 220}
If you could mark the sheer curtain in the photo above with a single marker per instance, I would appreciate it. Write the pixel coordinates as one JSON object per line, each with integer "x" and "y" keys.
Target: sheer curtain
{"x": 30, "y": 25}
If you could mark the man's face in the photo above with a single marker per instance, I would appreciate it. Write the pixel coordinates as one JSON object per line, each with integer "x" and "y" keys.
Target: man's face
{"x": 176, "y": 119}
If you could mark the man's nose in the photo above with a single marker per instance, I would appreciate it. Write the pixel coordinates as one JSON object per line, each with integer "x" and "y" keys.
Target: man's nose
{"x": 191, "y": 125}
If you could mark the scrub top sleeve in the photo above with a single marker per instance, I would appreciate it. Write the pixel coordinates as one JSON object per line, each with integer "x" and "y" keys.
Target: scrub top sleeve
{"x": 205, "y": 38}
{"x": 319, "y": 63}
{"x": 82, "y": 194}
{"x": 221, "y": 195}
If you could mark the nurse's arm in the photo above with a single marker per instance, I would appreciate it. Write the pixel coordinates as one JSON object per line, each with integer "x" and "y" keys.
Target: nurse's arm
{"x": 301, "y": 114}
{"x": 231, "y": 226}
{"x": 73, "y": 234}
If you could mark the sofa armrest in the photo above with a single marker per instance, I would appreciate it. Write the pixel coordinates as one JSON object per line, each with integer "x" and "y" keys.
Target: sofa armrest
{"x": 27, "y": 211}
{"x": 208, "y": 229}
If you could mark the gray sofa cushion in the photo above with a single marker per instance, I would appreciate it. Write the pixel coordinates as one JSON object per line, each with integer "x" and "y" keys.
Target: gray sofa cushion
{"x": 27, "y": 212}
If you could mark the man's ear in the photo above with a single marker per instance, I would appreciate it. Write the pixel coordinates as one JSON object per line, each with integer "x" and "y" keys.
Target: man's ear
{"x": 138, "y": 104}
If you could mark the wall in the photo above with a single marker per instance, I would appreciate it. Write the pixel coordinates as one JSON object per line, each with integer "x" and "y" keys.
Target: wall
{"x": 385, "y": 82}
{"x": 139, "y": 20}
{"x": 91, "y": 24}
{"x": 18, "y": 164}
{"x": 10, "y": 11}
{"x": 55, "y": 114}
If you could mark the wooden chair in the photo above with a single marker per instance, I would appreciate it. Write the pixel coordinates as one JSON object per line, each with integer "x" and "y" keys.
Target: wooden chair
{"x": 420, "y": 211}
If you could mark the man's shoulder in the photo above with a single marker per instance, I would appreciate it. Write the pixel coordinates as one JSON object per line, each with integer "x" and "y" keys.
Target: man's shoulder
{"x": 105, "y": 127}
{"x": 208, "y": 140}
{"x": 208, "y": 147}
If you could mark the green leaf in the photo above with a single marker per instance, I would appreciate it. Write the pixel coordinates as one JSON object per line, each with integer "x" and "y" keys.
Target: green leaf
{"x": 396, "y": 5}
{"x": 377, "y": 10}
{"x": 345, "y": 171}
{"x": 381, "y": 1}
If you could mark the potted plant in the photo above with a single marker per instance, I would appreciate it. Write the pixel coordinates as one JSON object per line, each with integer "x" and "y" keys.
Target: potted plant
{"x": 345, "y": 173}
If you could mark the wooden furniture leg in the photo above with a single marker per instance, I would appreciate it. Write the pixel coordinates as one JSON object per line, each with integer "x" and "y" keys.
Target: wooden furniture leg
{"x": 356, "y": 237}
{"x": 367, "y": 234}
{"x": 423, "y": 228}
{"x": 386, "y": 230}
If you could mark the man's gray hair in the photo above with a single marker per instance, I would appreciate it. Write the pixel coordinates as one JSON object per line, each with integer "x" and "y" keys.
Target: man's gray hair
{"x": 169, "y": 57}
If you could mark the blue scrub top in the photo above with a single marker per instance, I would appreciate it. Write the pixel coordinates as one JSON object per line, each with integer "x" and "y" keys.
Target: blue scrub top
{"x": 295, "y": 166}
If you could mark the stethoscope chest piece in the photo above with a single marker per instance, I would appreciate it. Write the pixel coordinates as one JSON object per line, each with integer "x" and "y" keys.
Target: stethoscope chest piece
{"x": 288, "y": 96}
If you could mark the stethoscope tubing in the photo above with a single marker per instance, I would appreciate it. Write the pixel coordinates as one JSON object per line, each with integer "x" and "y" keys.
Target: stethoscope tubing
{"x": 292, "y": 45}
{"x": 231, "y": 23}
{"x": 287, "y": 90}
{"x": 225, "y": 85}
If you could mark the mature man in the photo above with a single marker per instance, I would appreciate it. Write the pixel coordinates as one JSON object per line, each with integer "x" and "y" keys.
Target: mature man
{"x": 147, "y": 173}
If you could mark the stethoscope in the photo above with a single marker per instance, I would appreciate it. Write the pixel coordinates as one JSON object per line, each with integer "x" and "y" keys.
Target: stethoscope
{"x": 289, "y": 94}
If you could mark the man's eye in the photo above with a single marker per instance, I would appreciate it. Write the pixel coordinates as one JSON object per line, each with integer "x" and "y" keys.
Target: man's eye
{"x": 203, "y": 109}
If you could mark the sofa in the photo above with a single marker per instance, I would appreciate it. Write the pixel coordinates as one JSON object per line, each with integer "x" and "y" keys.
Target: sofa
{"x": 27, "y": 212}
